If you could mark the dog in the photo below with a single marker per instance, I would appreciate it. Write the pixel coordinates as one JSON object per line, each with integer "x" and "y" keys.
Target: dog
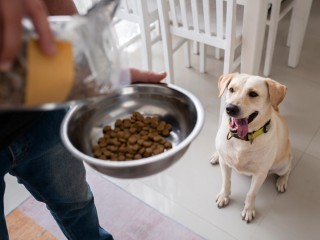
{"x": 253, "y": 138}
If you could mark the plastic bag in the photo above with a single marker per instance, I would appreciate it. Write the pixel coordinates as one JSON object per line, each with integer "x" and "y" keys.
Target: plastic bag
{"x": 97, "y": 63}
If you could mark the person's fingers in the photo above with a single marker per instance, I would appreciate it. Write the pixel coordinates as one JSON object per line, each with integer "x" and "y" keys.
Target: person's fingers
{"x": 11, "y": 14}
{"x": 10, "y": 31}
{"x": 146, "y": 76}
{"x": 37, "y": 11}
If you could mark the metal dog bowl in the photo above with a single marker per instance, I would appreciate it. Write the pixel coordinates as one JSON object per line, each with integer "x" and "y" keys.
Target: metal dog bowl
{"x": 83, "y": 124}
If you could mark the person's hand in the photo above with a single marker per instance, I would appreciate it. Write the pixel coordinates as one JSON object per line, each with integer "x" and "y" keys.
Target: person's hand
{"x": 146, "y": 76}
{"x": 11, "y": 14}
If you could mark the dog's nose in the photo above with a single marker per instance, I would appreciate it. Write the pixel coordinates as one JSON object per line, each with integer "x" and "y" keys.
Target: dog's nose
{"x": 232, "y": 110}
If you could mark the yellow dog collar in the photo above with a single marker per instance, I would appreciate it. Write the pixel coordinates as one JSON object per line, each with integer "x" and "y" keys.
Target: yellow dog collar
{"x": 252, "y": 135}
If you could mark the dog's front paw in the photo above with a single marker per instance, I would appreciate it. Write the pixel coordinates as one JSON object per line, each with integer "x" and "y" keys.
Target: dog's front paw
{"x": 248, "y": 214}
{"x": 214, "y": 158}
{"x": 222, "y": 200}
{"x": 282, "y": 183}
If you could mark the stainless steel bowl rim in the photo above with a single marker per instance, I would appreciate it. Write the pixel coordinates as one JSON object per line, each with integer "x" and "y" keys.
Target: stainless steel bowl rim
{"x": 135, "y": 163}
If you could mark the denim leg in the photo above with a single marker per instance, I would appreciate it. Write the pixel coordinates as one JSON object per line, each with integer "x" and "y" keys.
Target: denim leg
{"x": 53, "y": 176}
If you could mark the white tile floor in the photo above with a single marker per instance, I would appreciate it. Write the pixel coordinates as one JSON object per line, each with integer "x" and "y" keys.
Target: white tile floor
{"x": 186, "y": 192}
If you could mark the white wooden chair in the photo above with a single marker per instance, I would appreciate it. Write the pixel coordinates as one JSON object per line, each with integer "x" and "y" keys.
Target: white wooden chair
{"x": 206, "y": 22}
{"x": 145, "y": 14}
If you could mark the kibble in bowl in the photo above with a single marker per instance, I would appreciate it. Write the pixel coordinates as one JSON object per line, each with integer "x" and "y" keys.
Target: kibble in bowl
{"x": 177, "y": 114}
{"x": 135, "y": 138}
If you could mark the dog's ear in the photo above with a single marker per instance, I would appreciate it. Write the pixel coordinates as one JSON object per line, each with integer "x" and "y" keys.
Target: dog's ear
{"x": 224, "y": 81}
{"x": 277, "y": 92}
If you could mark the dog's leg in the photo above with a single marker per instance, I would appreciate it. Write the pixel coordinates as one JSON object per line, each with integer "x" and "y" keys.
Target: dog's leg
{"x": 222, "y": 199}
{"x": 282, "y": 181}
{"x": 248, "y": 212}
{"x": 214, "y": 158}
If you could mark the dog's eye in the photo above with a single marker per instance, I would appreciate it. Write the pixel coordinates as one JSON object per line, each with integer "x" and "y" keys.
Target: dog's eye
{"x": 253, "y": 94}
{"x": 231, "y": 90}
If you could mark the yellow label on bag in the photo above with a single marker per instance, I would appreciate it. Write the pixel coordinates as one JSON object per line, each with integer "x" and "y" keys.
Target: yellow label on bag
{"x": 49, "y": 78}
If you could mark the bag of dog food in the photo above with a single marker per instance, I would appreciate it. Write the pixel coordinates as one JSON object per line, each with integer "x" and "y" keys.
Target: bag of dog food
{"x": 87, "y": 63}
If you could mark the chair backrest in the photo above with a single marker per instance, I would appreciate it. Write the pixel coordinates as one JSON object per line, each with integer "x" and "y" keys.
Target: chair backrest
{"x": 203, "y": 20}
{"x": 209, "y": 22}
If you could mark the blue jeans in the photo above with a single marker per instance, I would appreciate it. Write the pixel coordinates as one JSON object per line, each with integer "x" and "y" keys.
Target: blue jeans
{"x": 42, "y": 164}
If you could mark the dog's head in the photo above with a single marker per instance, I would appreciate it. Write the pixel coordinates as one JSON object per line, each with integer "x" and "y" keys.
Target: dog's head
{"x": 250, "y": 99}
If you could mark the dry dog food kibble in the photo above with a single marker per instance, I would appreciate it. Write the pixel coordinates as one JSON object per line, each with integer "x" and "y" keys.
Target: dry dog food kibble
{"x": 133, "y": 138}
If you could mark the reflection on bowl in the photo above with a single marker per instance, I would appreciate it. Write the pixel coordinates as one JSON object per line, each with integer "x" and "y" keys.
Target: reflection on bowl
{"x": 83, "y": 124}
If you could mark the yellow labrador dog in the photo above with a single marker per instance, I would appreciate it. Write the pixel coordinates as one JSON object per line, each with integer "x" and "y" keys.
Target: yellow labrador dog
{"x": 253, "y": 137}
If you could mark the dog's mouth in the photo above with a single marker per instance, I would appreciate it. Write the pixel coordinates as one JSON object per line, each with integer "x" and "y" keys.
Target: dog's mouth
{"x": 240, "y": 125}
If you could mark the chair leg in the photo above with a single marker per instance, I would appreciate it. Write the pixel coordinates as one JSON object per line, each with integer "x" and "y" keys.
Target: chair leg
{"x": 168, "y": 56}
{"x": 272, "y": 34}
{"x": 229, "y": 54}
{"x": 218, "y": 53}
{"x": 166, "y": 40}
{"x": 229, "y": 51}
{"x": 144, "y": 25}
{"x": 187, "y": 54}
{"x": 202, "y": 58}
{"x": 168, "y": 60}
{"x": 228, "y": 59}
{"x": 146, "y": 49}
{"x": 290, "y": 32}
{"x": 158, "y": 31}
{"x": 195, "y": 46}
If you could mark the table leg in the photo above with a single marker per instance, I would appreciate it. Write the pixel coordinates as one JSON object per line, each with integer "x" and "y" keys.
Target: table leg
{"x": 300, "y": 18}
{"x": 254, "y": 25}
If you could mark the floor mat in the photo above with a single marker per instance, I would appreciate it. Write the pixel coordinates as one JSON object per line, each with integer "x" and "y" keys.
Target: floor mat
{"x": 120, "y": 213}
{"x": 22, "y": 227}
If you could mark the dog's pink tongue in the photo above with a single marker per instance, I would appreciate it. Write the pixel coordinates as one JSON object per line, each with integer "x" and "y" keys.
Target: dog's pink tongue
{"x": 242, "y": 127}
